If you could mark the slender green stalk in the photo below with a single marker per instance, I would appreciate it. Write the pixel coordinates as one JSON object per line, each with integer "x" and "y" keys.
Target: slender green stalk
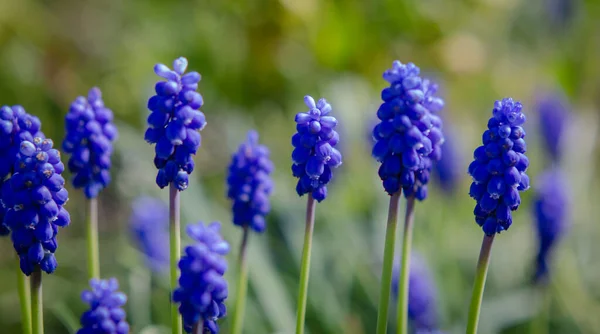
{"x": 24, "y": 299}
{"x": 242, "y": 287}
{"x": 198, "y": 327}
{"x": 305, "y": 267}
{"x": 388, "y": 263}
{"x": 402, "y": 316}
{"x": 540, "y": 323}
{"x": 36, "y": 301}
{"x": 92, "y": 239}
{"x": 175, "y": 248}
{"x": 479, "y": 285}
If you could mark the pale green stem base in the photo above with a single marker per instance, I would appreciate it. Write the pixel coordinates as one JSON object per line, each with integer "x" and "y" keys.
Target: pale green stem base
{"x": 388, "y": 264}
{"x": 541, "y": 322}
{"x": 92, "y": 239}
{"x": 479, "y": 284}
{"x": 175, "y": 249}
{"x": 36, "y": 302}
{"x": 403, "y": 288}
{"x": 24, "y": 299}
{"x": 240, "y": 304}
{"x": 305, "y": 267}
{"x": 198, "y": 327}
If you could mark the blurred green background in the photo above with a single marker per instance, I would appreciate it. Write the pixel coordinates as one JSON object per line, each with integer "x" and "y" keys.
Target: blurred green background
{"x": 258, "y": 59}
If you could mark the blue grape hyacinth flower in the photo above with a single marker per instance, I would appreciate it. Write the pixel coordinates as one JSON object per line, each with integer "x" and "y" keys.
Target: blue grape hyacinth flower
{"x": 202, "y": 288}
{"x": 498, "y": 170}
{"x": 106, "y": 314}
{"x": 34, "y": 197}
{"x": 553, "y": 116}
{"x": 314, "y": 152}
{"x": 422, "y": 295}
{"x": 89, "y": 138}
{"x": 550, "y": 212}
{"x": 149, "y": 224}
{"x": 250, "y": 183}
{"x": 174, "y": 123}
{"x": 409, "y": 135}
{"x": 449, "y": 169}
{"x": 16, "y": 125}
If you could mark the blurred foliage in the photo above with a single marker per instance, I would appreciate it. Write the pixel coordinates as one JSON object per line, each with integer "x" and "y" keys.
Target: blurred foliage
{"x": 258, "y": 59}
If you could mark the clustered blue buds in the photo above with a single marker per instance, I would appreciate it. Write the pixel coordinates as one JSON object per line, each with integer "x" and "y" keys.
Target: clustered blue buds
{"x": 106, "y": 314}
{"x": 422, "y": 295}
{"x": 250, "y": 184}
{"x": 550, "y": 211}
{"x": 149, "y": 223}
{"x": 314, "y": 152}
{"x": 409, "y": 136}
{"x": 499, "y": 167}
{"x": 34, "y": 197}
{"x": 174, "y": 123}
{"x": 90, "y": 134}
{"x": 449, "y": 169}
{"x": 202, "y": 288}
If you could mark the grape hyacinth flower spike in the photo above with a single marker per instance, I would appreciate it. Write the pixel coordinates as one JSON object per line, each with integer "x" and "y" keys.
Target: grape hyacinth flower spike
{"x": 408, "y": 141}
{"x": 313, "y": 158}
{"x": 422, "y": 295}
{"x": 149, "y": 223}
{"x": 90, "y": 134}
{"x": 35, "y": 196}
{"x": 202, "y": 288}
{"x": 498, "y": 173}
{"x": 249, "y": 188}
{"x": 16, "y": 125}
{"x": 550, "y": 212}
{"x": 106, "y": 313}
{"x": 174, "y": 126}
{"x": 553, "y": 118}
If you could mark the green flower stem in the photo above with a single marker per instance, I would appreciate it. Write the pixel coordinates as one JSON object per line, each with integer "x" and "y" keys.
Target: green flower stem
{"x": 36, "y": 301}
{"x": 388, "y": 263}
{"x": 24, "y": 299}
{"x": 479, "y": 285}
{"x": 402, "y": 316}
{"x": 305, "y": 267}
{"x": 198, "y": 327}
{"x": 540, "y": 323}
{"x": 92, "y": 239}
{"x": 242, "y": 287}
{"x": 175, "y": 248}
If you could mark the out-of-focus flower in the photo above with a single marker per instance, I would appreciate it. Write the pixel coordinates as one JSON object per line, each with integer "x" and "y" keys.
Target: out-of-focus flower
{"x": 250, "y": 184}
{"x": 149, "y": 223}
{"x": 553, "y": 113}
{"x": 550, "y": 211}
{"x": 314, "y": 152}
{"x": 34, "y": 197}
{"x": 499, "y": 167}
{"x": 90, "y": 133}
{"x": 422, "y": 295}
{"x": 409, "y": 136}
{"x": 106, "y": 314}
{"x": 448, "y": 169}
{"x": 202, "y": 288}
{"x": 174, "y": 123}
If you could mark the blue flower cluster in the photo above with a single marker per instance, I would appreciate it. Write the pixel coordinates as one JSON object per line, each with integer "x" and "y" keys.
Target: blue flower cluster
{"x": 250, "y": 184}
{"x": 202, "y": 288}
{"x": 553, "y": 116}
{"x": 174, "y": 123}
{"x": 550, "y": 211}
{"x": 422, "y": 295}
{"x": 106, "y": 314}
{"x": 149, "y": 223}
{"x": 314, "y": 152}
{"x": 449, "y": 169}
{"x": 34, "y": 197}
{"x": 499, "y": 167}
{"x": 409, "y": 136}
{"x": 90, "y": 134}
